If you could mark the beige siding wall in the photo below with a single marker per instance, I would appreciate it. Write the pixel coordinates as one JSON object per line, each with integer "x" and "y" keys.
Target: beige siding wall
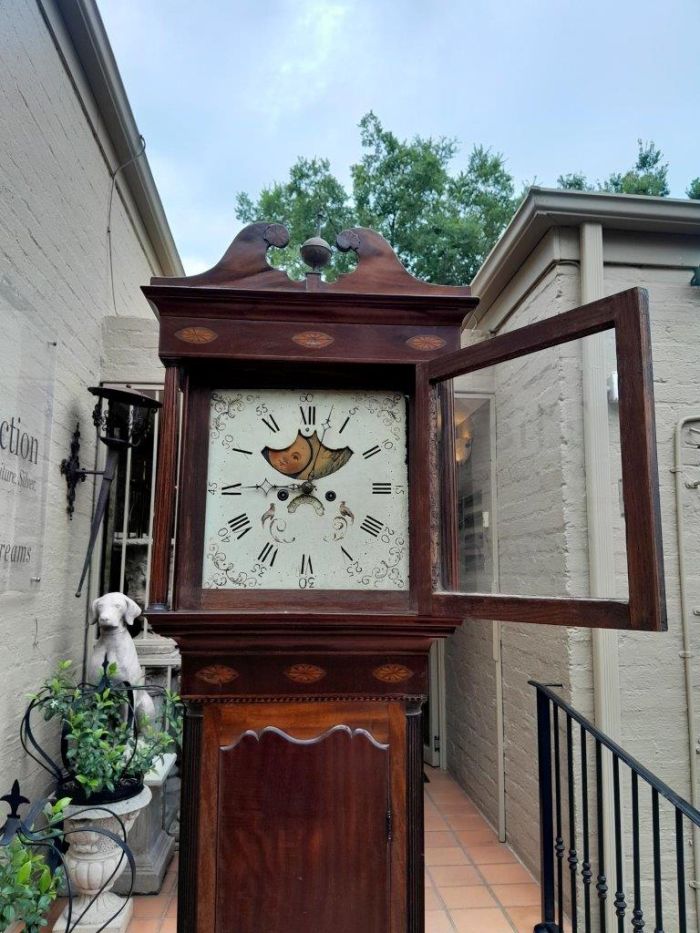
{"x": 54, "y": 193}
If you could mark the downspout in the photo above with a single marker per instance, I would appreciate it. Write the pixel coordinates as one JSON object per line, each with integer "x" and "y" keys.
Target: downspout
{"x": 500, "y": 733}
{"x": 497, "y": 641}
{"x": 605, "y": 648}
{"x": 687, "y": 653}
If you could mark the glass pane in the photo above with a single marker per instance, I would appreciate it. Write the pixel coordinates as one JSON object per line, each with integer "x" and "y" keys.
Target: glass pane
{"x": 474, "y": 462}
{"x": 127, "y": 538}
{"x": 520, "y": 494}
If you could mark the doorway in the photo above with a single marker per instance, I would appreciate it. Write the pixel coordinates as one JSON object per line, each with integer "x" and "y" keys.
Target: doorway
{"x": 475, "y": 473}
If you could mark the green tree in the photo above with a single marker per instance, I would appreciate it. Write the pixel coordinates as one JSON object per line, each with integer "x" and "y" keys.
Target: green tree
{"x": 311, "y": 194}
{"x": 649, "y": 175}
{"x": 574, "y": 181}
{"x": 441, "y": 223}
{"x": 693, "y": 189}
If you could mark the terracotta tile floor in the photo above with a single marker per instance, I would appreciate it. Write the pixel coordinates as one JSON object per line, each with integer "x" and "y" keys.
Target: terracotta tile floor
{"x": 157, "y": 913}
{"x": 473, "y": 883}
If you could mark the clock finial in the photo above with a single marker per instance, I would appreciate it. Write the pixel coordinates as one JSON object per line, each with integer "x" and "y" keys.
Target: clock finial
{"x": 315, "y": 251}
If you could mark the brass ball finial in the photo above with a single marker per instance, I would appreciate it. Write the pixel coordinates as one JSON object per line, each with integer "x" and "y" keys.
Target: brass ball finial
{"x": 316, "y": 253}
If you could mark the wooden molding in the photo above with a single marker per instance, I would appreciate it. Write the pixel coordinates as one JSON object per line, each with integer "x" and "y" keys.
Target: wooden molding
{"x": 379, "y": 271}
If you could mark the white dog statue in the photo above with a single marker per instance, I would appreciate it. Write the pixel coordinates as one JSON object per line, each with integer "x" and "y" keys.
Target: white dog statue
{"x": 112, "y": 613}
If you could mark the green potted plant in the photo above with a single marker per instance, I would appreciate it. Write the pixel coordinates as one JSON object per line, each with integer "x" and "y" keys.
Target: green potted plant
{"x": 106, "y": 750}
{"x": 29, "y": 878}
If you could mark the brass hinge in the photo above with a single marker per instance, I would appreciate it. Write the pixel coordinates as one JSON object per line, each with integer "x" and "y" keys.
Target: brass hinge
{"x": 388, "y": 824}
{"x": 436, "y": 743}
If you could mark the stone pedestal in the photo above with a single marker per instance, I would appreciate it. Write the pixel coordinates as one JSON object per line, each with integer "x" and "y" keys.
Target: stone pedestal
{"x": 154, "y": 650}
{"x": 151, "y": 846}
{"x": 90, "y": 861}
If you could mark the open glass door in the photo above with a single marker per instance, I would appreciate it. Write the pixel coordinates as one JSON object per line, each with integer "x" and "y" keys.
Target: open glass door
{"x": 533, "y": 375}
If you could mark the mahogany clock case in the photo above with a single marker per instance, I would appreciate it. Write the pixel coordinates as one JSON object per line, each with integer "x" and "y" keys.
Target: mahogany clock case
{"x": 302, "y": 758}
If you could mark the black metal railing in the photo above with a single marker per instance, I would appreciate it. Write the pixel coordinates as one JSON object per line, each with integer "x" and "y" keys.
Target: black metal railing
{"x": 575, "y": 878}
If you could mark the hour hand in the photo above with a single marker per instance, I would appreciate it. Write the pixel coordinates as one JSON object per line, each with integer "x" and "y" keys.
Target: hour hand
{"x": 266, "y": 486}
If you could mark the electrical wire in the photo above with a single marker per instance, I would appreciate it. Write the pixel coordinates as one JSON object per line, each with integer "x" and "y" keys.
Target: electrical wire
{"x": 119, "y": 168}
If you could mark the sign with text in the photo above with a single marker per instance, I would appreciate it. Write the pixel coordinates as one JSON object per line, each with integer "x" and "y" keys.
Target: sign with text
{"x": 27, "y": 363}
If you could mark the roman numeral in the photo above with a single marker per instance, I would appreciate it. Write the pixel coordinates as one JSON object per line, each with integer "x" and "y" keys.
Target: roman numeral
{"x": 308, "y": 415}
{"x": 344, "y": 425}
{"x": 269, "y": 551}
{"x": 349, "y": 557}
{"x": 306, "y": 565}
{"x": 371, "y": 451}
{"x": 372, "y": 526}
{"x": 233, "y": 490}
{"x": 381, "y": 489}
{"x": 240, "y": 523}
{"x": 240, "y": 450}
{"x": 271, "y": 423}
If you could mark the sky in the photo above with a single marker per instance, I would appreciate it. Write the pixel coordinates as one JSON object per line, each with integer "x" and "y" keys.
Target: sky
{"x": 228, "y": 93}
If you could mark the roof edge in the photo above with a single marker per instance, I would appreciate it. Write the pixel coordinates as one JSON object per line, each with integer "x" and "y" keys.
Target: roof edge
{"x": 87, "y": 33}
{"x": 544, "y": 208}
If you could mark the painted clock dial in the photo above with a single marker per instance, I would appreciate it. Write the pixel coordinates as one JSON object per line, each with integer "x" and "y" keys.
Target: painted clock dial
{"x": 306, "y": 490}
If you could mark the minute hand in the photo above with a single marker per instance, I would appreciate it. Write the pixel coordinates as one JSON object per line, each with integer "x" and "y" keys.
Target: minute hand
{"x": 327, "y": 424}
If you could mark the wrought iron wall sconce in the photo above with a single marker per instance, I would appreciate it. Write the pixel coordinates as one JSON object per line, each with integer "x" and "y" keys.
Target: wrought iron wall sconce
{"x": 122, "y": 418}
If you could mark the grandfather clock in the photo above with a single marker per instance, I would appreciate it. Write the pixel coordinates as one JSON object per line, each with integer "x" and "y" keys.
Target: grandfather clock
{"x": 305, "y": 475}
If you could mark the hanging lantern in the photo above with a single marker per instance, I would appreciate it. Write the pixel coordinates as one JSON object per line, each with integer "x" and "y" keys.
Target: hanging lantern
{"x": 123, "y": 419}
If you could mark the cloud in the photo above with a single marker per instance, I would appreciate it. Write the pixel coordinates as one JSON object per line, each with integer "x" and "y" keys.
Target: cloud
{"x": 302, "y": 62}
{"x": 195, "y": 264}
{"x": 228, "y": 95}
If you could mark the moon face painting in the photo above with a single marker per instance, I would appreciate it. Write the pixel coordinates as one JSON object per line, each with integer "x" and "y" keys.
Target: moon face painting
{"x": 307, "y": 490}
{"x": 307, "y": 458}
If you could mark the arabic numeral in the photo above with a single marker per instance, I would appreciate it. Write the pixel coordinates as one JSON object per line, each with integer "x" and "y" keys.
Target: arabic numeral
{"x": 307, "y": 580}
{"x": 387, "y": 535}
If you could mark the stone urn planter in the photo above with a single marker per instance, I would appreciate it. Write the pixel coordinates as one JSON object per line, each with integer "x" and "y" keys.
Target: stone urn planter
{"x": 93, "y": 865}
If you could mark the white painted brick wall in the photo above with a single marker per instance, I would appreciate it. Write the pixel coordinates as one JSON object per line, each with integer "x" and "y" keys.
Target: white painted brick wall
{"x": 654, "y": 716}
{"x": 540, "y": 488}
{"x": 54, "y": 192}
{"x": 654, "y": 710}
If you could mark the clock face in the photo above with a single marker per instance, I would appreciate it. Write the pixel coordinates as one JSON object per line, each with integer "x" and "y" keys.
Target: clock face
{"x": 306, "y": 490}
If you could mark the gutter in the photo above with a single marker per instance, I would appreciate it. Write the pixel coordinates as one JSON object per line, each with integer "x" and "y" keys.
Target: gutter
{"x": 544, "y": 208}
{"x": 81, "y": 21}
